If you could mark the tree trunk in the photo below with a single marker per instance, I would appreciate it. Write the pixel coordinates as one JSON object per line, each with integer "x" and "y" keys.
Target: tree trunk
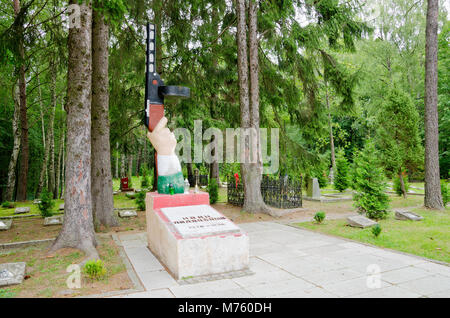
{"x": 102, "y": 187}
{"x": 433, "y": 197}
{"x": 24, "y": 153}
{"x": 251, "y": 172}
{"x": 63, "y": 170}
{"x": 333, "y": 154}
{"x": 130, "y": 167}
{"x": 51, "y": 131}
{"x": 59, "y": 163}
{"x": 122, "y": 166}
{"x": 402, "y": 183}
{"x": 116, "y": 156}
{"x": 43, "y": 176}
{"x": 138, "y": 161}
{"x": 190, "y": 173}
{"x": 11, "y": 183}
{"x": 78, "y": 227}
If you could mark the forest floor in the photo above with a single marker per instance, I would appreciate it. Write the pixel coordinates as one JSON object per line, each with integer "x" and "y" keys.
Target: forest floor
{"x": 46, "y": 275}
{"x": 52, "y": 269}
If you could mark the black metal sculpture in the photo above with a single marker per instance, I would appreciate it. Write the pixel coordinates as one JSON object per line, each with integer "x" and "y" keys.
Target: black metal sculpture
{"x": 155, "y": 90}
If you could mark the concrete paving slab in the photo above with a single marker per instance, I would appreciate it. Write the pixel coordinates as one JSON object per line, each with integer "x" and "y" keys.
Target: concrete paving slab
{"x": 406, "y": 274}
{"x": 292, "y": 262}
{"x": 389, "y": 292}
{"x": 427, "y": 285}
{"x": 156, "y": 280}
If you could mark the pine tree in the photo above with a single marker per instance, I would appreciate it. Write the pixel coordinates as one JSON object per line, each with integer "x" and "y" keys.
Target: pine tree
{"x": 370, "y": 197}
{"x": 398, "y": 137}
{"x": 342, "y": 180}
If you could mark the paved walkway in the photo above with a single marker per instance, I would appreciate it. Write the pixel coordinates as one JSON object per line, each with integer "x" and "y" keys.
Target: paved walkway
{"x": 290, "y": 262}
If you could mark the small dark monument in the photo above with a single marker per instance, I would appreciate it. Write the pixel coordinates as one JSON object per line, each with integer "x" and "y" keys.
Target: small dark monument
{"x": 124, "y": 185}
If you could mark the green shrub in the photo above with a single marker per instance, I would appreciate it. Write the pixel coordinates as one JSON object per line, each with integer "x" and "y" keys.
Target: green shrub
{"x": 445, "y": 193}
{"x": 341, "y": 180}
{"x": 46, "y": 204}
{"x": 145, "y": 181}
{"x": 370, "y": 185}
{"x": 140, "y": 200}
{"x": 213, "y": 189}
{"x": 398, "y": 186}
{"x": 376, "y": 230}
{"x": 8, "y": 205}
{"x": 94, "y": 269}
{"x": 319, "y": 216}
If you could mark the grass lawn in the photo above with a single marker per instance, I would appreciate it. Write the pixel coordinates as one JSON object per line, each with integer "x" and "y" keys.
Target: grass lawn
{"x": 46, "y": 274}
{"x": 33, "y": 208}
{"x": 428, "y": 238}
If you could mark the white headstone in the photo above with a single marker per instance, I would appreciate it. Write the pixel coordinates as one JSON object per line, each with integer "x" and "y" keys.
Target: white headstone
{"x": 21, "y": 210}
{"x": 360, "y": 221}
{"x": 5, "y": 225}
{"x": 407, "y": 215}
{"x": 315, "y": 189}
{"x": 198, "y": 220}
{"x": 54, "y": 220}
{"x": 61, "y": 206}
{"x": 11, "y": 273}
{"x": 127, "y": 213}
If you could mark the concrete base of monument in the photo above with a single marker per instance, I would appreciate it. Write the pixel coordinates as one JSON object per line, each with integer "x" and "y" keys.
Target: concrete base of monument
{"x": 191, "y": 238}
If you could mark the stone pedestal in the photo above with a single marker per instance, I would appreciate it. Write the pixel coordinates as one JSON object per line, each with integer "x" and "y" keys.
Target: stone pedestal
{"x": 191, "y": 238}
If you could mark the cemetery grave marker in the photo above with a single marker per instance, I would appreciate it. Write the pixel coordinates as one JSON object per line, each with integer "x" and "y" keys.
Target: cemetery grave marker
{"x": 407, "y": 215}
{"x": 12, "y": 273}
{"x": 360, "y": 221}
{"x": 5, "y": 225}
{"x": 22, "y": 210}
{"x": 127, "y": 214}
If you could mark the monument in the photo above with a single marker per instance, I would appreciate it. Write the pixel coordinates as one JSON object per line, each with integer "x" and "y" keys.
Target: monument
{"x": 187, "y": 235}
{"x": 124, "y": 185}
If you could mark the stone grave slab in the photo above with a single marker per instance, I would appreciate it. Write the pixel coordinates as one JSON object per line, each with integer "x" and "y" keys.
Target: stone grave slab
{"x": 12, "y": 273}
{"x": 127, "y": 214}
{"x": 193, "y": 239}
{"x": 5, "y": 225}
{"x": 22, "y": 210}
{"x": 407, "y": 215}
{"x": 54, "y": 220}
{"x": 37, "y": 201}
{"x": 131, "y": 195}
{"x": 360, "y": 221}
{"x": 61, "y": 206}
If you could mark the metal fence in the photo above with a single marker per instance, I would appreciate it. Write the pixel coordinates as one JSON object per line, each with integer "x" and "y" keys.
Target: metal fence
{"x": 283, "y": 193}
